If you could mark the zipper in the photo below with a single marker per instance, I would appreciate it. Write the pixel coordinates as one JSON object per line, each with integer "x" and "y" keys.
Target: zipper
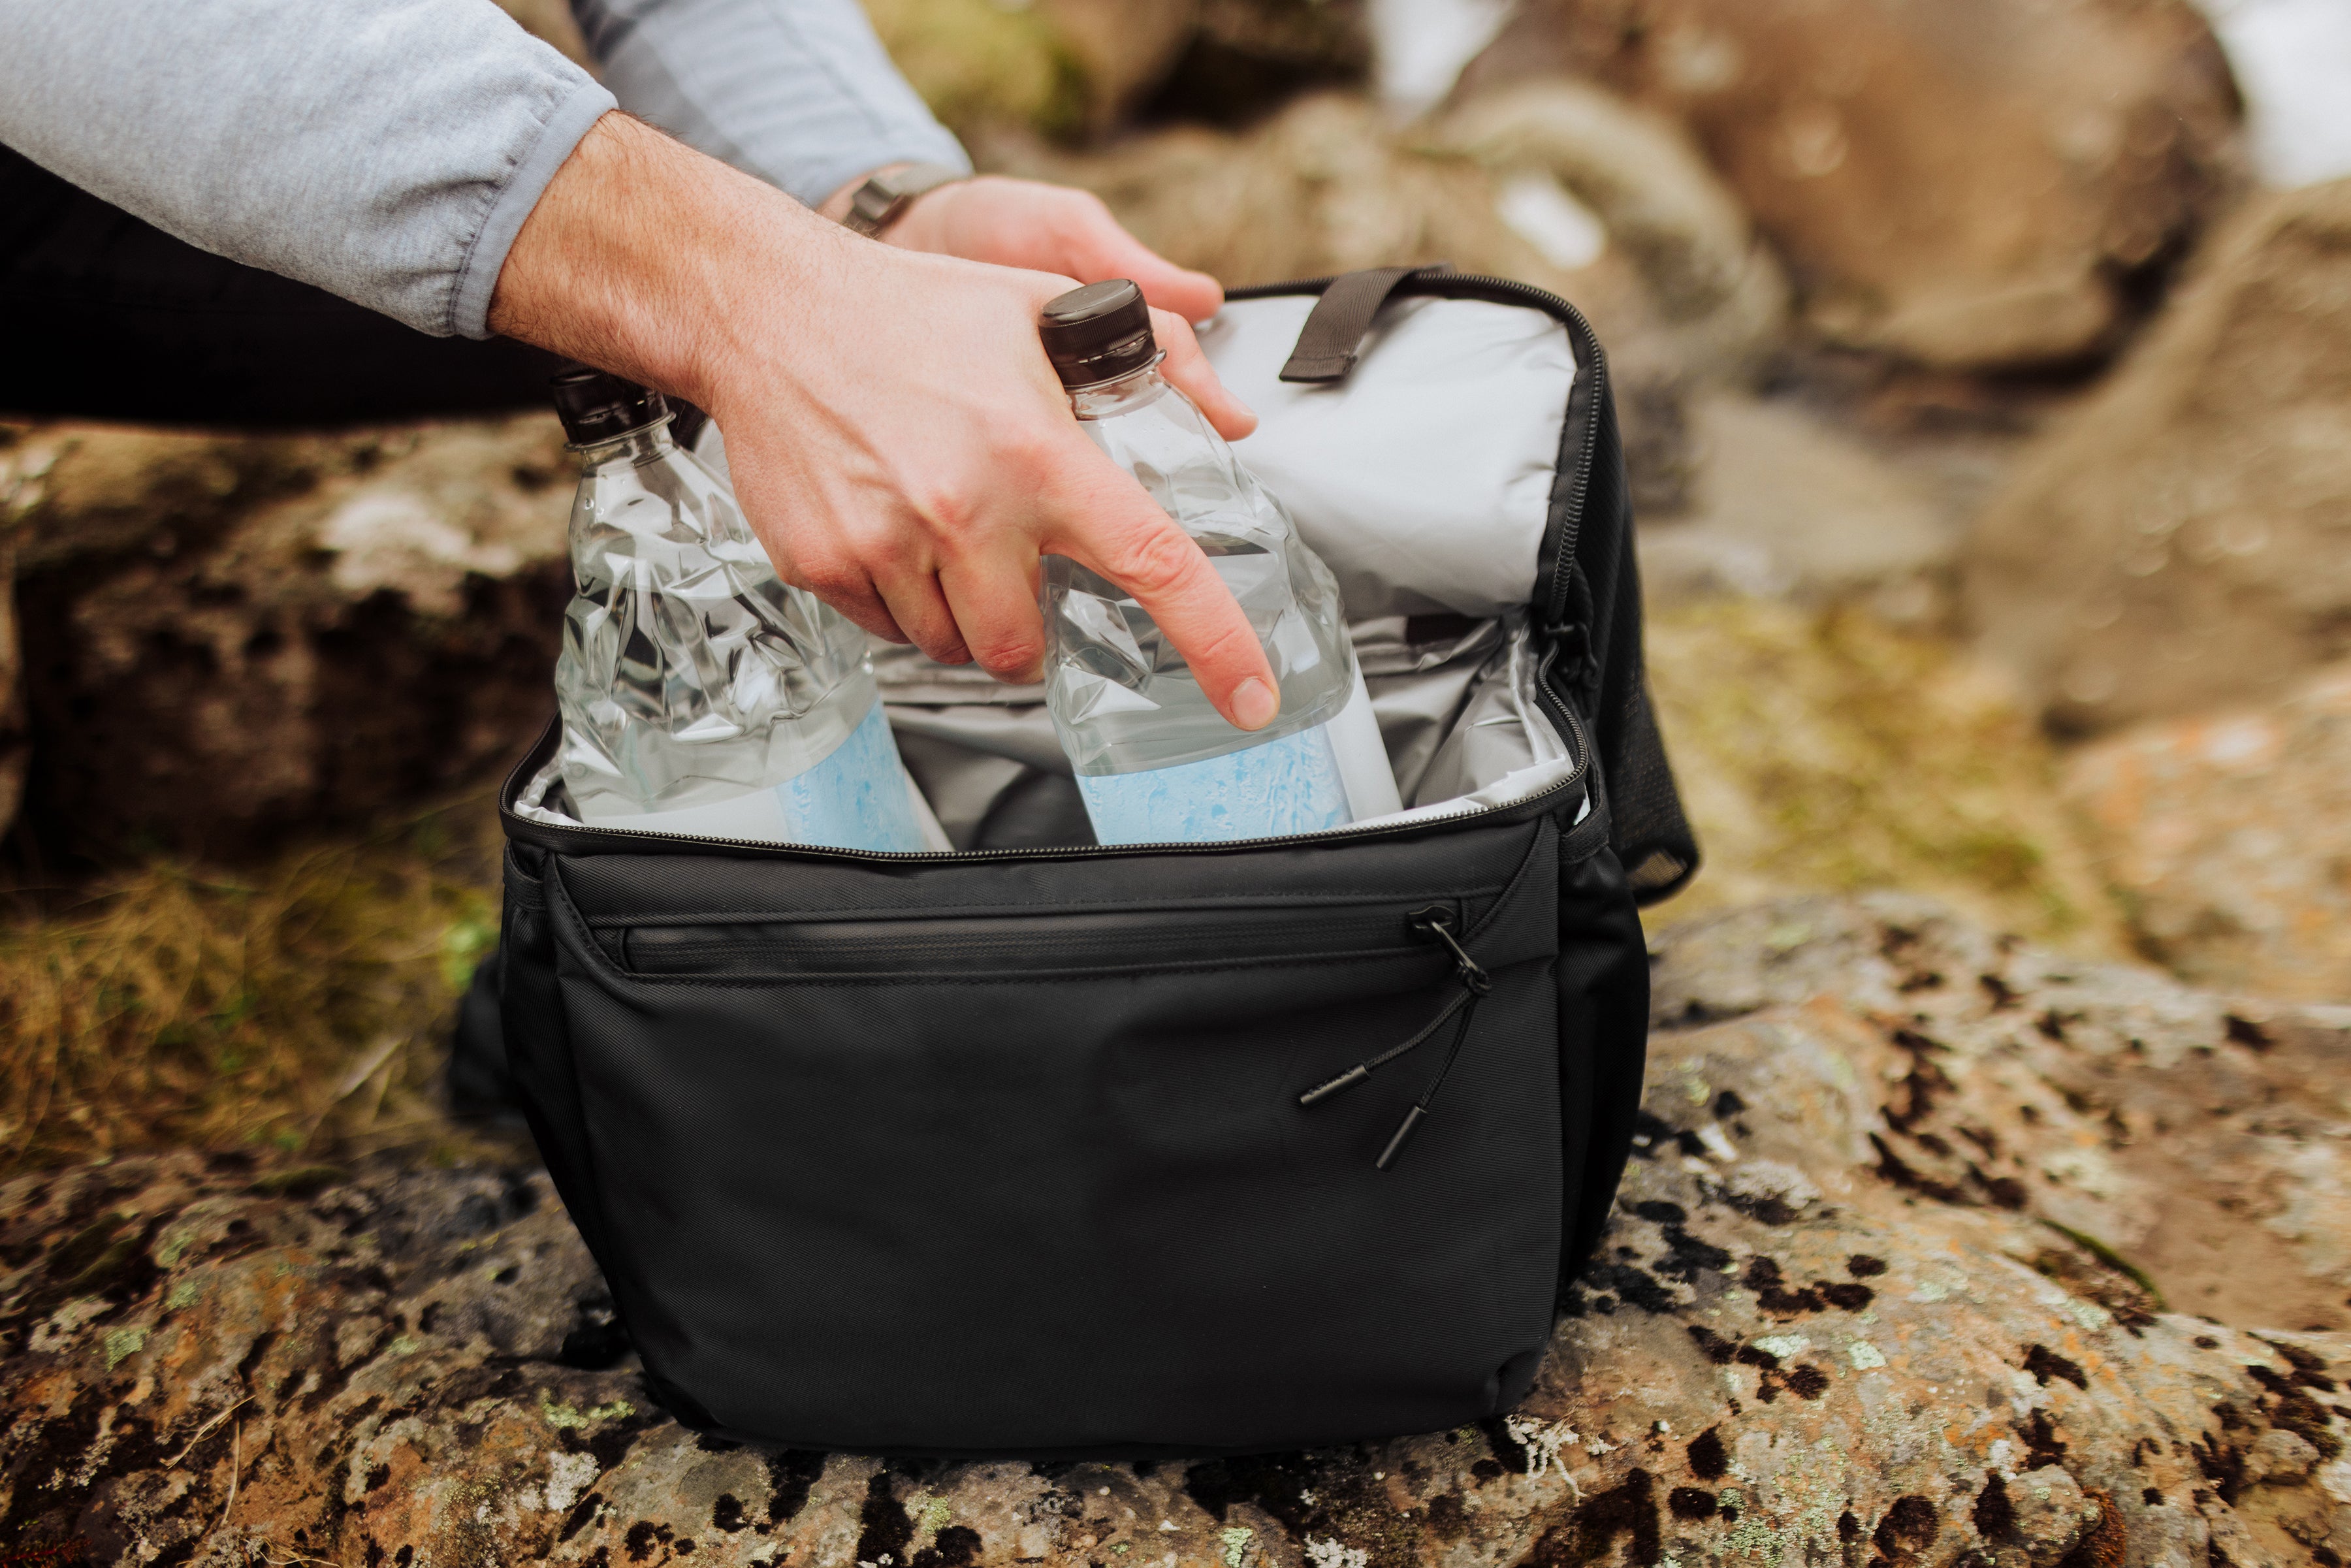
{"x": 1448, "y": 285}
{"x": 1148, "y": 939}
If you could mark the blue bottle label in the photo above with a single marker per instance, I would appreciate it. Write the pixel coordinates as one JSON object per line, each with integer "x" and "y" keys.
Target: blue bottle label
{"x": 1288, "y": 786}
{"x": 857, "y": 798}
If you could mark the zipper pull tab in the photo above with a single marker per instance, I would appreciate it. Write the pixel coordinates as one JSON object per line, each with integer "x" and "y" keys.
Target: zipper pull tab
{"x": 1437, "y": 921}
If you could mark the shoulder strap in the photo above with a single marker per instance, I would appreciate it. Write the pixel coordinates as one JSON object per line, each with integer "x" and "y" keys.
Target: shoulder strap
{"x": 1334, "y": 331}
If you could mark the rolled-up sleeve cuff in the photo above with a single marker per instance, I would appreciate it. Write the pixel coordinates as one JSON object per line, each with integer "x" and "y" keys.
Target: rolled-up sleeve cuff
{"x": 469, "y": 308}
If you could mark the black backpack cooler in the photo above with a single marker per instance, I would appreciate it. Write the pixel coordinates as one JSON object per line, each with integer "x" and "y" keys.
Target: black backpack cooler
{"x": 1048, "y": 1148}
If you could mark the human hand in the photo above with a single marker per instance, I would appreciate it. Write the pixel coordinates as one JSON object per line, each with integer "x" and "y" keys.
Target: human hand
{"x": 1047, "y": 228}
{"x": 896, "y": 436}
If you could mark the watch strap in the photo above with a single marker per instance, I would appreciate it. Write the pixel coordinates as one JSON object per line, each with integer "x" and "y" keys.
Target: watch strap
{"x": 879, "y": 200}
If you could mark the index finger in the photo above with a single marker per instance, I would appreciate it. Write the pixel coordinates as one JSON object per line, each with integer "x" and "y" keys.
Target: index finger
{"x": 1095, "y": 513}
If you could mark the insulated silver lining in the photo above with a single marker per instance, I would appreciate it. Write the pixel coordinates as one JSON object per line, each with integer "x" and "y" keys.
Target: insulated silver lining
{"x": 1424, "y": 480}
{"x": 1456, "y": 703}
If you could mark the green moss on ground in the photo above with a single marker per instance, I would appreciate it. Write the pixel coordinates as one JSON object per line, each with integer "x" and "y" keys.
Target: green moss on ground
{"x": 300, "y": 1010}
{"x": 1827, "y": 750}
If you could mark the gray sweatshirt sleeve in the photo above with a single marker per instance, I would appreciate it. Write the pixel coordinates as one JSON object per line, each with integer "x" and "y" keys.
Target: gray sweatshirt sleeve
{"x": 798, "y": 92}
{"x": 387, "y": 150}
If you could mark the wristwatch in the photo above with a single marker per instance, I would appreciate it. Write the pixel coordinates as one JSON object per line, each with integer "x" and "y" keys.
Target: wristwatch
{"x": 880, "y": 199}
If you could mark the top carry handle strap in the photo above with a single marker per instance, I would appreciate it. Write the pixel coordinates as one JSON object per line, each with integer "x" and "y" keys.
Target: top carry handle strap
{"x": 1335, "y": 330}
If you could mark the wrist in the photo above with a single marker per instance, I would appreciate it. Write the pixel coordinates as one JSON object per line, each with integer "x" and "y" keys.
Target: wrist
{"x": 875, "y": 205}
{"x": 649, "y": 259}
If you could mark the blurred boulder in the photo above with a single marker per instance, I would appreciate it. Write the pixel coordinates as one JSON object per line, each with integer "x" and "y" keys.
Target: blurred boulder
{"x": 1962, "y": 182}
{"x": 1064, "y": 68}
{"x": 2178, "y": 543}
{"x": 1785, "y": 505}
{"x": 1123, "y": 49}
{"x": 1328, "y": 186}
{"x": 2230, "y": 839}
{"x": 550, "y": 20}
{"x": 981, "y": 66}
{"x": 229, "y": 641}
{"x": 1247, "y": 58}
{"x": 1712, "y": 289}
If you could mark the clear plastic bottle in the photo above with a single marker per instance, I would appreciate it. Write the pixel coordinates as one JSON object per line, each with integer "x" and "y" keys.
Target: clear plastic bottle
{"x": 701, "y": 695}
{"x": 1155, "y": 760}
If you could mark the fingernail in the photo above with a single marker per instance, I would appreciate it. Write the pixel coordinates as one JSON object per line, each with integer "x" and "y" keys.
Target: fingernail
{"x": 1254, "y": 704}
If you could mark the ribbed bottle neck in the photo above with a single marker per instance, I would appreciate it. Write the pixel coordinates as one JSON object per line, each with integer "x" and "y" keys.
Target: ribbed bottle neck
{"x": 1137, "y": 389}
{"x": 646, "y": 444}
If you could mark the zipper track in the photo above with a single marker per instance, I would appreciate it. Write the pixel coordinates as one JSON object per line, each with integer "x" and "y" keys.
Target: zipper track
{"x": 669, "y": 948}
{"x": 1592, "y": 364}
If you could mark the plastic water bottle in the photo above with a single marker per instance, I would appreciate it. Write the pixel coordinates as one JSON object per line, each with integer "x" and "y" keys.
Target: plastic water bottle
{"x": 1155, "y": 762}
{"x": 702, "y": 696}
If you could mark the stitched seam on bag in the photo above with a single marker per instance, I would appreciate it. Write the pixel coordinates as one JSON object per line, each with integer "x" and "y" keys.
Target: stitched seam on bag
{"x": 1534, "y": 852}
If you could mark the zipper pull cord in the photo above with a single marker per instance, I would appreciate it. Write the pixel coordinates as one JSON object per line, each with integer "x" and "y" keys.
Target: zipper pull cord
{"x": 1362, "y": 1070}
{"x": 1435, "y": 921}
{"x": 1413, "y": 1118}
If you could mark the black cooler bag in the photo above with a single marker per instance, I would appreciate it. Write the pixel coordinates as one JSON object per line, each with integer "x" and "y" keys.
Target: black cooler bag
{"x": 1005, "y": 1149}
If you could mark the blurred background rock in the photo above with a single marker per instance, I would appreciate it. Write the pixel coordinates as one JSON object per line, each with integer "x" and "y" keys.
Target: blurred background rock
{"x": 1983, "y": 373}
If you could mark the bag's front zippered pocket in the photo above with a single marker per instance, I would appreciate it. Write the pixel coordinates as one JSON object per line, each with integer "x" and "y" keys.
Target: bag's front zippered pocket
{"x": 1142, "y": 940}
{"x": 985, "y": 1169}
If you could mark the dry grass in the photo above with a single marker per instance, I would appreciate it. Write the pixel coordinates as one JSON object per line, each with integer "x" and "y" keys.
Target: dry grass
{"x": 300, "y": 1009}
{"x": 1828, "y": 751}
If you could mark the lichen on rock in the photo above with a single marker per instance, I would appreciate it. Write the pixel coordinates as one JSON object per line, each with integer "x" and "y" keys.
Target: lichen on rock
{"x": 1788, "y": 1350}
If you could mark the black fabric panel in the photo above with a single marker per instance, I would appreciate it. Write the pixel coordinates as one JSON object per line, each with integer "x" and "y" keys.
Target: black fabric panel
{"x": 1024, "y": 1212}
{"x": 477, "y": 1054}
{"x": 1603, "y": 983}
{"x": 538, "y": 1039}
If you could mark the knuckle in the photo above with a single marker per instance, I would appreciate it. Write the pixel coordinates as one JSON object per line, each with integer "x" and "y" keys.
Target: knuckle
{"x": 947, "y": 509}
{"x": 1007, "y": 651}
{"x": 1157, "y": 560}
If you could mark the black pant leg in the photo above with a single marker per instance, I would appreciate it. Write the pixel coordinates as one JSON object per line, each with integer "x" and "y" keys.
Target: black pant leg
{"x": 104, "y": 316}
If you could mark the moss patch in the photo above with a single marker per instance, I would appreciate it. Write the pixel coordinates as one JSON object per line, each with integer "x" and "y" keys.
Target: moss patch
{"x": 298, "y": 1010}
{"x": 1828, "y": 751}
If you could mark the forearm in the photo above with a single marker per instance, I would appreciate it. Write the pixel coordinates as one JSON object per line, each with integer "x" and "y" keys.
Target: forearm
{"x": 384, "y": 150}
{"x": 642, "y": 255}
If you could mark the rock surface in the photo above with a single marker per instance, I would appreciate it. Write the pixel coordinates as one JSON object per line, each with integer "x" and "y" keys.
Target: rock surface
{"x": 1813, "y": 1336}
{"x": 1964, "y": 184}
{"x": 2177, "y": 544}
{"x": 228, "y": 640}
{"x": 1784, "y": 505}
{"x": 2229, "y": 837}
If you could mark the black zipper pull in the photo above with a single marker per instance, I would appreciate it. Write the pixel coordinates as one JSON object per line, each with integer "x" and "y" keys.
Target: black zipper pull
{"x": 1437, "y": 921}
{"x": 1412, "y": 1118}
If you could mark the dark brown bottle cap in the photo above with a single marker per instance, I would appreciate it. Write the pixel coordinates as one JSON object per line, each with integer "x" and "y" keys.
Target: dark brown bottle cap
{"x": 596, "y": 405}
{"x": 1098, "y": 332}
